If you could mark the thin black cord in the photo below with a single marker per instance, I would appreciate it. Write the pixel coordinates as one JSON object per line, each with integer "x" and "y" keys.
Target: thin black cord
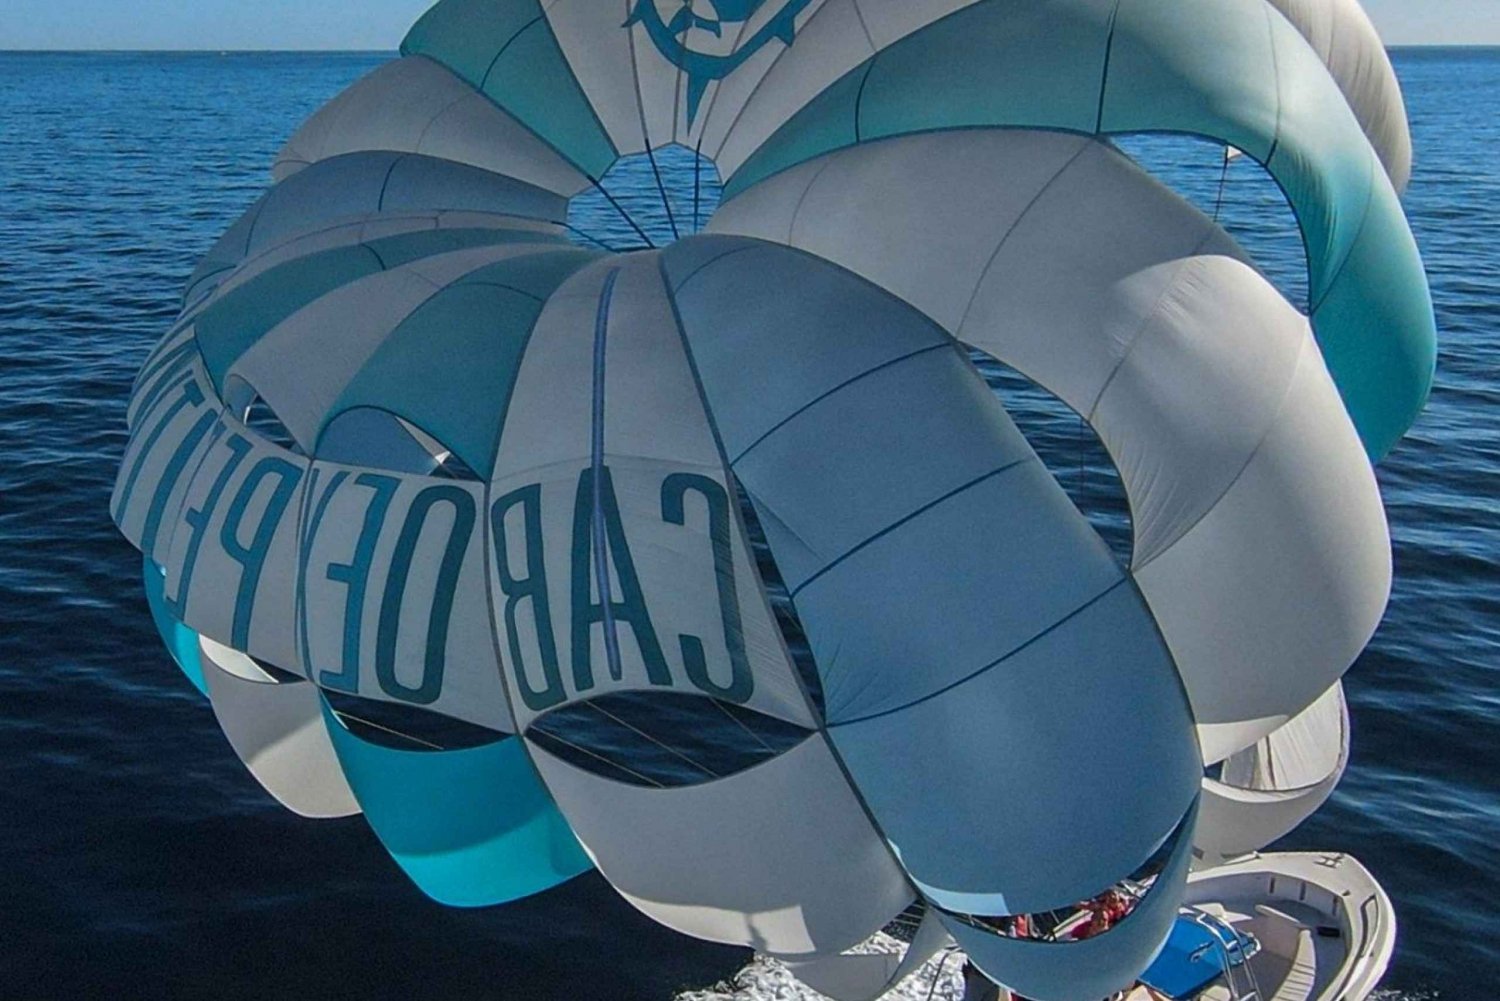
{"x": 697, "y": 183}
{"x": 625, "y": 215}
{"x": 1223, "y": 180}
{"x": 662, "y": 188}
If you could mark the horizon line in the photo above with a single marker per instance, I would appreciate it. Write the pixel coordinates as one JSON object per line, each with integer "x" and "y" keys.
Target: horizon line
{"x": 216, "y": 50}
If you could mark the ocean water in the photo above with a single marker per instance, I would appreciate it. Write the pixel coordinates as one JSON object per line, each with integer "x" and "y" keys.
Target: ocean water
{"x": 141, "y": 861}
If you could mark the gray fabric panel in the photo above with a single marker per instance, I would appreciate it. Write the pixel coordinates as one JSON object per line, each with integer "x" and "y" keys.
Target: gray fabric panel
{"x": 867, "y": 976}
{"x": 358, "y": 184}
{"x": 779, "y": 858}
{"x": 415, "y": 105}
{"x": 277, "y": 731}
{"x": 1344, "y": 37}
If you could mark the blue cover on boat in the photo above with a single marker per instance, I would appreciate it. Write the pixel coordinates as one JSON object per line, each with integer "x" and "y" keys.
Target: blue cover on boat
{"x": 1192, "y": 959}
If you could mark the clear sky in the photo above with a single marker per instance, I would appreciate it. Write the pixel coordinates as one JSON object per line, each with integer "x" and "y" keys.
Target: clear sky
{"x": 380, "y": 24}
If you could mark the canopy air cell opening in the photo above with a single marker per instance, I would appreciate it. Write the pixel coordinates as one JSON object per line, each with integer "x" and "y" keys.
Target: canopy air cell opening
{"x": 369, "y": 436}
{"x": 1070, "y": 449}
{"x": 649, "y": 199}
{"x": 406, "y": 727}
{"x": 1235, "y": 191}
{"x": 247, "y": 406}
{"x": 663, "y": 739}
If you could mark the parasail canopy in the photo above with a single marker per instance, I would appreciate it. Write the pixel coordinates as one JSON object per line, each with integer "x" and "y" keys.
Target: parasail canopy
{"x": 699, "y": 552}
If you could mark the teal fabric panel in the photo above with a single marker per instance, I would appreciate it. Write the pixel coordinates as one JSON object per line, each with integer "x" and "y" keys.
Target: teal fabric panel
{"x": 1004, "y": 62}
{"x": 1020, "y": 62}
{"x": 181, "y": 641}
{"x": 1229, "y": 70}
{"x": 472, "y": 828}
{"x": 828, "y": 122}
{"x": 231, "y": 326}
{"x": 1376, "y": 327}
{"x": 531, "y": 80}
{"x": 466, "y": 35}
{"x": 506, "y": 49}
{"x": 450, "y": 366}
{"x": 1204, "y": 67}
{"x": 1095, "y": 967}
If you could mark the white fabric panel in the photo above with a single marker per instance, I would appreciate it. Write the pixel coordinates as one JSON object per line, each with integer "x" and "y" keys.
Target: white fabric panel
{"x": 652, "y": 427}
{"x": 1301, "y": 754}
{"x": 415, "y": 105}
{"x": 362, "y": 313}
{"x": 231, "y": 567}
{"x": 277, "y": 731}
{"x": 633, "y": 90}
{"x": 829, "y": 44}
{"x": 723, "y": 100}
{"x": 1344, "y": 37}
{"x": 1077, "y": 746}
{"x": 461, "y": 678}
{"x": 600, "y": 55}
{"x": 1267, "y": 600}
{"x": 780, "y": 858}
{"x": 171, "y": 430}
{"x": 1265, "y": 791}
{"x": 867, "y": 976}
{"x": 1113, "y": 293}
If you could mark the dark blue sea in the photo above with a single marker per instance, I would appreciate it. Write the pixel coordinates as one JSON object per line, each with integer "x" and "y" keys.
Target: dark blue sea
{"x": 141, "y": 861}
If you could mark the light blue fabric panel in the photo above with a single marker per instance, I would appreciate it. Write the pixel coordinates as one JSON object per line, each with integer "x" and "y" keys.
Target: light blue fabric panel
{"x": 472, "y": 828}
{"x": 450, "y": 366}
{"x": 506, "y": 49}
{"x": 1230, "y": 70}
{"x": 950, "y": 590}
{"x": 181, "y": 641}
{"x": 428, "y": 184}
{"x": 1095, "y": 967}
{"x": 747, "y": 305}
{"x": 355, "y": 185}
{"x": 466, "y": 35}
{"x": 844, "y": 498}
{"x": 1078, "y": 746}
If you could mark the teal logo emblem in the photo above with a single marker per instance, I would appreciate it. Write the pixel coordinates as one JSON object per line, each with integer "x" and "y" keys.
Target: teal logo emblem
{"x": 670, "y": 35}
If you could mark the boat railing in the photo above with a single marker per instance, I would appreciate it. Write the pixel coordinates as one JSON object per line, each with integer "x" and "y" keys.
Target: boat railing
{"x": 1238, "y": 974}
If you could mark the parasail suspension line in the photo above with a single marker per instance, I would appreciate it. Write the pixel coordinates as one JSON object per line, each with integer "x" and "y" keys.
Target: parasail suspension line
{"x": 599, "y": 757}
{"x": 665, "y": 747}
